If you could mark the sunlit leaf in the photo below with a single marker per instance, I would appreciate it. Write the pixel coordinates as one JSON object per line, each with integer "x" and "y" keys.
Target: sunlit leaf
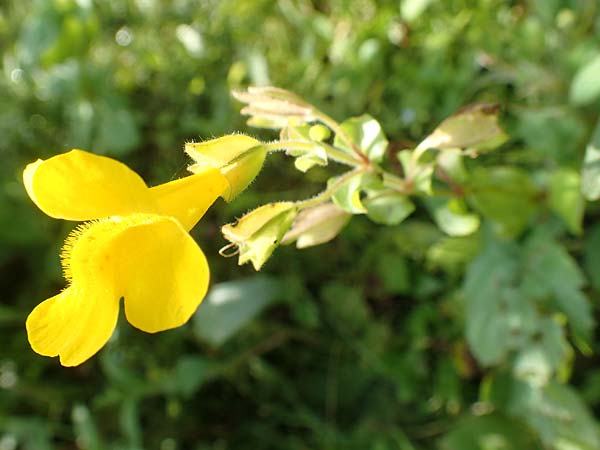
{"x": 453, "y": 217}
{"x": 348, "y": 195}
{"x": 590, "y": 172}
{"x": 565, "y": 199}
{"x": 231, "y": 305}
{"x": 473, "y": 127}
{"x": 388, "y": 208}
{"x": 367, "y": 134}
{"x": 494, "y": 431}
{"x": 585, "y": 87}
{"x": 557, "y": 413}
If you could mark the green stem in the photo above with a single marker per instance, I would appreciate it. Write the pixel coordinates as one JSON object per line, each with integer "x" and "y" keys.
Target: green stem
{"x": 332, "y": 152}
{"x": 328, "y": 193}
{"x": 339, "y": 131}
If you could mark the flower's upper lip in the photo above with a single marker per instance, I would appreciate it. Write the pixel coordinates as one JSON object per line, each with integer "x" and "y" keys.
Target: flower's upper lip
{"x": 79, "y": 186}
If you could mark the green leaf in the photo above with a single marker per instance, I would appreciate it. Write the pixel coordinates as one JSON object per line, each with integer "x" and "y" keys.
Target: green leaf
{"x": 590, "y": 172}
{"x": 317, "y": 157}
{"x": 411, "y": 10}
{"x": 565, "y": 199}
{"x": 388, "y": 208}
{"x": 512, "y": 294}
{"x": 557, "y": 413}
{"x": 367, "y": 134}
{"x": 347, "y": 196}
{"x": 453, "y": 217}
{"x": 490, "y": 432}
{"x": 305, "y": 159}
{"x": 585, "y": 87}
{"x": 504, "y": 195}
{"x": 591, "y": 255}
{"x": 498, "y": 318}
{"x": 231, "y": 305}
{"x": 547, "y": 354}
{"x": 473, "y": 127}
{"x": 549, "y": 271}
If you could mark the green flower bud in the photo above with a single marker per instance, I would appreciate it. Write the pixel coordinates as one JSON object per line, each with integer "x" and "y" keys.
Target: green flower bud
{"x": 257, "y": 234}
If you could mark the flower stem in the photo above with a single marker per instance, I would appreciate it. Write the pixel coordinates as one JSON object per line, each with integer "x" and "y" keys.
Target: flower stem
{"x": 332, "y": 152}
{"x": 328, "y": 193}
{"x": 339, "y": 131}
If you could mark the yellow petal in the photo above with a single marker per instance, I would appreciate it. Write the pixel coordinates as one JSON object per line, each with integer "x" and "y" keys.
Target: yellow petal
{"x": 74, "y": 324}
{"x": 81, "y": 186}
{"x": 161, "y": 272}
{"x": 188, "y": 198}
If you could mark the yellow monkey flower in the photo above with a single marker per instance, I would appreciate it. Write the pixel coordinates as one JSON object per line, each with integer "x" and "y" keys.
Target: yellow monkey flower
{"x": 134, "y": 246}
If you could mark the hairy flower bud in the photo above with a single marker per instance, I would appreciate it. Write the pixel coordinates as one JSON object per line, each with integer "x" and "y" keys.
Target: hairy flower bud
{"x": 239, "y": 158}
{"x": 257, "y": 234}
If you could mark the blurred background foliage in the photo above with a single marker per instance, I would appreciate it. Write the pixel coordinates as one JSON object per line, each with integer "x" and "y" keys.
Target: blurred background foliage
{"x": 386, "y": 338}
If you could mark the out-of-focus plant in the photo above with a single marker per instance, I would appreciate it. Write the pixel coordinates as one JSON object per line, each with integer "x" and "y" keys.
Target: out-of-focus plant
{"x": 523, "y": 294}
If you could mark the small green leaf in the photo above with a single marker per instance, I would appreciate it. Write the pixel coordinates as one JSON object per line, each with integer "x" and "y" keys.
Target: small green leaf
{"x": 411, "y": 10}
{"x": 231, "y": 305}
{"x": 453, "y": 218}
{"x": 347, "y": 196}
{"x": 419, "y": 174}
{"x": 590, "y": 172}
{"x": 388, "y": 208}
{"x": 565, "y": 199}
{"x": 305, "y": 159}
{"x": 557, "y": 413}
{"x": 473, "y": 127}
{"x": 490, "y": 432}
{"x": 540, "y": 359}
{"x": 585, "y": 87}
{"x": 367, "y": 134}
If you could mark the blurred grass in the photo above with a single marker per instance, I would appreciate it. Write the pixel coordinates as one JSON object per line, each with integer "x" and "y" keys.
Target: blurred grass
{"x": 364, "y": 347}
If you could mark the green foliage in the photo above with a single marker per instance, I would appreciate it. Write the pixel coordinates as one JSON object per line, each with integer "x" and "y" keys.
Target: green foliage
{"x": 466, "y": 323}
{"x": 231, "y": 305}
